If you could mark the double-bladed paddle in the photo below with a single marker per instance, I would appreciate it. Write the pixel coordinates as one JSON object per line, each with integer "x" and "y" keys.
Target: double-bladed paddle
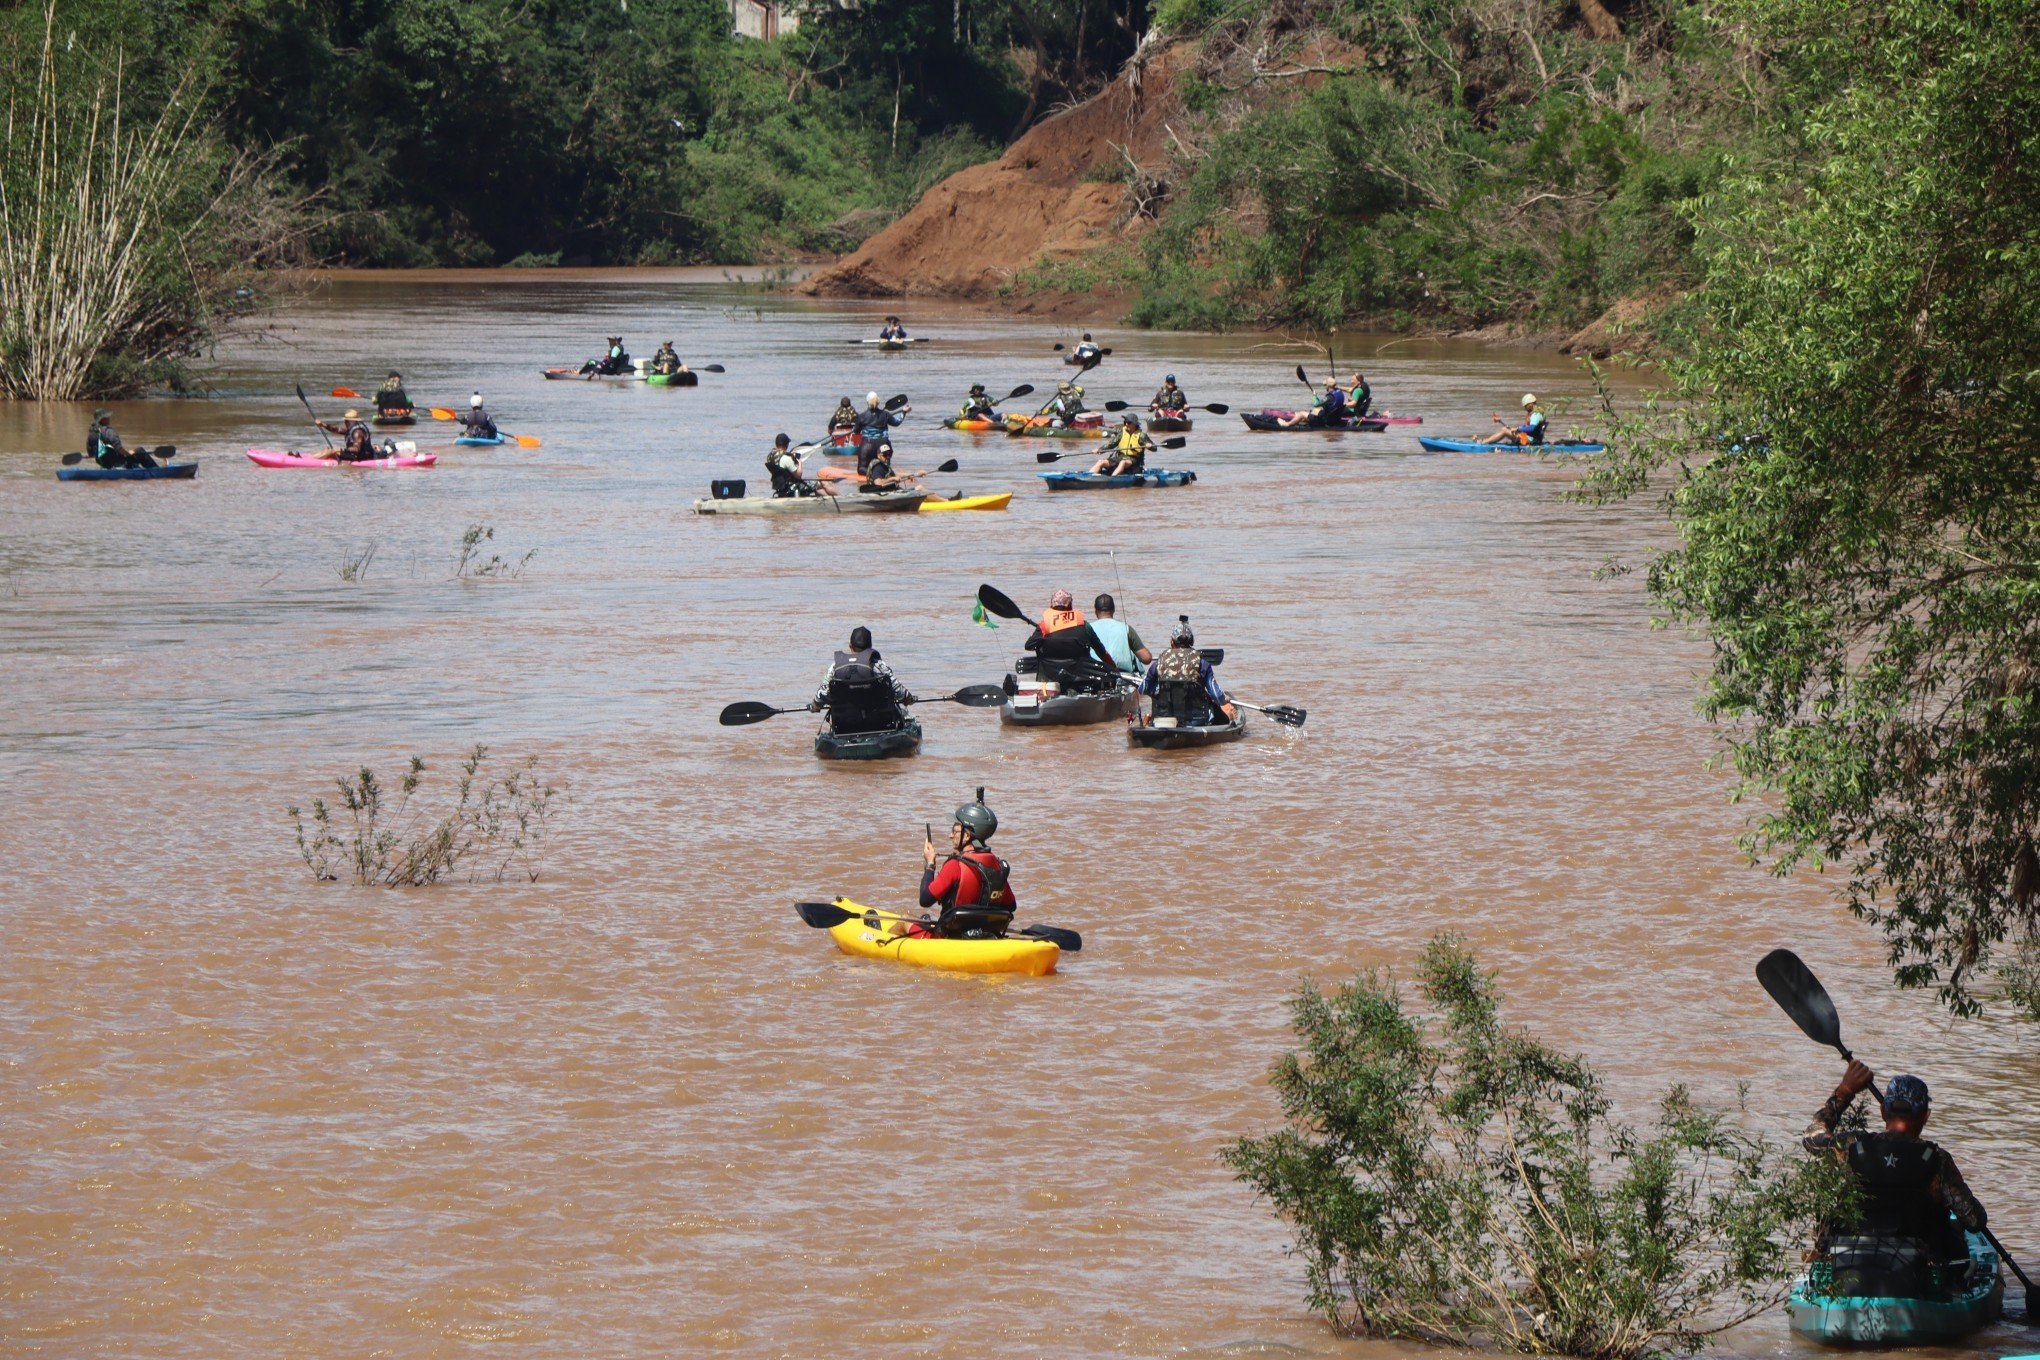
{"x": 1285, "y": 714}
{"x": 995, "y": 601}
{"x": 823, "y": 915}
{"x": 314, "y": 415}
{"x": 1103, "y": 350}
{"x": 970, "y": 696}
{"x": 829, "y": 474}
{"x": 528, "y": 441}
{"x": 1052, "y": 455}
{"x": 1217, "y": 408}
{"x": 1799, "y": 994}
{"x": 166, "y": 453}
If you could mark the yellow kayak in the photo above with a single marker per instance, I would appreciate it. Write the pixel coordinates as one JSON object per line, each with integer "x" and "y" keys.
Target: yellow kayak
{"x": 868, "y": 935}
{"x": 998, "y": 502}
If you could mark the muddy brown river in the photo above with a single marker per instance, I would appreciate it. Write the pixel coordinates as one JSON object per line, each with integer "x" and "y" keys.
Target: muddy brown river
{"x": 637, "y": 1108}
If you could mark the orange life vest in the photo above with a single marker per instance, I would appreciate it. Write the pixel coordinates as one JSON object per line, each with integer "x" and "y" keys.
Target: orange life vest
{"x": 1055, "y": 620}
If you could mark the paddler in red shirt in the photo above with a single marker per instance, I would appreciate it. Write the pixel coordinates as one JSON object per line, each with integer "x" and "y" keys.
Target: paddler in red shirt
{"x": 969, "y": 883}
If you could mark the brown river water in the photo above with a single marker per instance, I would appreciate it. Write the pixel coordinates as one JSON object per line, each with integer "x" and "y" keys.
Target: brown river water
{"x": 637, "y": 1108}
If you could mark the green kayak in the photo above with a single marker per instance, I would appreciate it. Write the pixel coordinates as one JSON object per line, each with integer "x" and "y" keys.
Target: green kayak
{"x": 1974, "y": 1302}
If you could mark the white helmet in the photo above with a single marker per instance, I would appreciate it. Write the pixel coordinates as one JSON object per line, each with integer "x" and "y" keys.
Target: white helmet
{"x": 475, "y": 401}
{"x": 1529, "y": 400}
{"x": 871, "y": 398}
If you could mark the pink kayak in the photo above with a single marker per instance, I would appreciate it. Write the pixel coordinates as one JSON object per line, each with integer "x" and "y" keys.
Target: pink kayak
{"x": 277, "y": 458}
{"x": 1388, "y": 419}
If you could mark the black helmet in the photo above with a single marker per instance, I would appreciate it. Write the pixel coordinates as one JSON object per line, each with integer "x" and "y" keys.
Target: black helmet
{"x": 860, "y": 638}
{"x": 1170, "y": 378}
{"x": 780, "y": 441}
{"x": 977, "y": 819}
{"x": 1906, "y": 1095}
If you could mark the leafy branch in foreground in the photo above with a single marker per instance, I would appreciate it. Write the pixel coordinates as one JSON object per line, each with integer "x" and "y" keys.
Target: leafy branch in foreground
{"x": 1856, "y": 433}
{"x": 496, "y": 828}
{"x": 1457, "y": 1181}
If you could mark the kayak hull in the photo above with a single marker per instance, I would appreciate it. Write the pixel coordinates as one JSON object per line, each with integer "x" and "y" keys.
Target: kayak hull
{"x": 813, "y": 505}
{"x": 278, "y": 458}
{"x": 688, "y": 379}
{"x": 1847, "y": 1320}
{"x": 972, "y": 426}
{"x": 1149, "y": 737}
{"x": 472, "y": 442}
{"x": 394, "y": 420}
{"x": 1271, "y": 422}
{"x": 576, "y": 375}
{"x": 845, "y": 441}
{"x": 901, "y": 741}
{"x": 994, "y": 502}
{"x": 1056, "y": 431}
{"x": 168, "y": 472}
{"x": 871, "y": 939}
{"x": 1098, "y": 481}
{"x": 1475, "y": 446}
{"x": 1029, "y": 708}
{"x": 1169, "y": 424}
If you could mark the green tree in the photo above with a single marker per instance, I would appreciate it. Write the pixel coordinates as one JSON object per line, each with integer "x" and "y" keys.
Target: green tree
{"x": 1857, "y": 443}
{"x": 1458, "y": 1181}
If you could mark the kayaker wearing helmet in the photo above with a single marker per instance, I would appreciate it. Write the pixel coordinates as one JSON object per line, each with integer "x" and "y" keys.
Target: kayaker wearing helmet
{"x": 875, "y": 426}
{"x": 617, "y": 360}
{"x": 1182, "y": 685}
{"x": 478, "y": 423}
{"x": 1128, "y": 450}
{"x": 1170, "y": 400}
{"x": 1909, "y": 1186}
{"x": 357, "y": 444}
{"x": 893, "y": 330}
{"x": 970, "y": 884}
{"x": 390, "y": 398}
{"x": 978, "y": 405}
{"x": 1070, "y": 652}
{"x": 1531, "y": 431}
{"x": 784, "y": 467}
{"x": 861, "y": 666}
{"x": 1327, "y": 411}
{"x": 103, "y": 445}
{"x": 667, "y": 360}
{"x": 1129, "y": 654}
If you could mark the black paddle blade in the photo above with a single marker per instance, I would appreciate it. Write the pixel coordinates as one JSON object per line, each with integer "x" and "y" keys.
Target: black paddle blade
{"x": 713, "y": 368}
{"x": 1058, "y": 344}
{"x": 743, "y": 715}
{"x": 1048, "y": 456}
{"x": 980, "y": 696}
{"x": 1175, "y": 443}
{"x": 1217, "y": 408}
{"x": 1106, "y": 350}
{"x": 948, "y": 465}
{"x": 1117, "y": 405}
{"x": 1285, "y": 714}
{"x": 1215, "y": 655}
{"x": 72, "y": 459}
{"x": 1799, "y": 994}
{"x": 995, "y": 602}
{"x": 1024, "y": 389}
{"x": 1066, "y": 940}
{"x": 822, "y": 915}
{"x": 1301, "y": 376}
{"x": 894, "y": 403}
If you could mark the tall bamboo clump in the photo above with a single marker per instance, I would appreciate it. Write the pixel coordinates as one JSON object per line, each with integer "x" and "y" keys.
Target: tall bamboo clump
{"x": 119, "y": 236}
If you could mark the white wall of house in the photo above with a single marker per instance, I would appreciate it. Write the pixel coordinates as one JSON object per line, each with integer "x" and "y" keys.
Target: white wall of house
{"x": 762, "y": 18}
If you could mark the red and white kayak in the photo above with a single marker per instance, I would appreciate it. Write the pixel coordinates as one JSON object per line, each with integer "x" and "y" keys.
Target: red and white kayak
{"x": 278, "y": 458}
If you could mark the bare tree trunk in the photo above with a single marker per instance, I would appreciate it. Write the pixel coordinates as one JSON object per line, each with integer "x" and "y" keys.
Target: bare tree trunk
{"x": 1600, "y": 22}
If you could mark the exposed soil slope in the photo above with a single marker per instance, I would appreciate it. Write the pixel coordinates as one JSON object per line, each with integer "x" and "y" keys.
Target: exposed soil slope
{"x": 971, "y": 232}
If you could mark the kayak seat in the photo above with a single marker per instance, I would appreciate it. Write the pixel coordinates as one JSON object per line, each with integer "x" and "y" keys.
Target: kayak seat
{"x": 1077, "y": 677}
{"x": 1183, "y": 700}
{"x": 860, "y": 706}
{"x": 975, "y": 923}
{"x": 1876, "y": 1265}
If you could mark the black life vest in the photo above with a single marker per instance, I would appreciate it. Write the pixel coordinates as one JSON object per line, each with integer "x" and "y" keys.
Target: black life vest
{"x": 993, "y": 911}
{"x": 856, "y": 668}
{"x": 1894, "y": 1175}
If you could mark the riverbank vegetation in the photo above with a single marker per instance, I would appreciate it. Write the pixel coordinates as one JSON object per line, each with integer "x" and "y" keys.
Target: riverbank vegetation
{"x": 1454, "y": 1180}
{"x": 494, "y": 830}
{"x": 1853, "y": 454}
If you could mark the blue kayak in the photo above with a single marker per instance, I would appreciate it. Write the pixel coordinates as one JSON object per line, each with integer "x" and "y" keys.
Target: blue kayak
{"x": 471, "y": 440}
{"x": 1475, "y": 446}
{"x": 182, "y": 472}
{"x": 1098, "y": 481}
{"x": 1815, "y": 1311}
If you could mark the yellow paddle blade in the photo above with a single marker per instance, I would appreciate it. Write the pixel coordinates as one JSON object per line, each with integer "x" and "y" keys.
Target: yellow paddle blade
{"x": 526, "y": 441}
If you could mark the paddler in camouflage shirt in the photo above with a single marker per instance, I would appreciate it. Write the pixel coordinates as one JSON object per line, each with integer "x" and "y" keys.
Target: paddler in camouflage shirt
{"x": 1909, "y": 1185}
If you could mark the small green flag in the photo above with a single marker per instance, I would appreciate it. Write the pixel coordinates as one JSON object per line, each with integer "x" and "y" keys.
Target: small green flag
{"x": 978, "y": 615}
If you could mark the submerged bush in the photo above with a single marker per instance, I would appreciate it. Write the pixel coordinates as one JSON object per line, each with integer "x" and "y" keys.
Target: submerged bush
{"x": 496, "y": 827}
{"x": 1457, "y": 1181}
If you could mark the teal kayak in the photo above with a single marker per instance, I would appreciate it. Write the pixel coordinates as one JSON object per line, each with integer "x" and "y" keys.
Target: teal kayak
{"x": 1865, "y": 1320}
